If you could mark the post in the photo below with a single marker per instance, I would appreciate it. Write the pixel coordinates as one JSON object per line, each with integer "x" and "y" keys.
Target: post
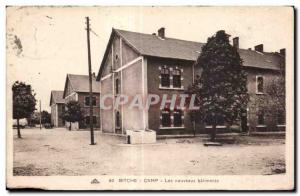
{"x": 18, "y": 126}
{"x": 40, "y": 115}
{"x": 90, "y": 80}
{"x": 194, "y": 127}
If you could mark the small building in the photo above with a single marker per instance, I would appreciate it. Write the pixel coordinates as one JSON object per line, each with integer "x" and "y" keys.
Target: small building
{"x": 77, "y": 88}
{"x": 57, "y": 107}
{"x": 137, "y": 63}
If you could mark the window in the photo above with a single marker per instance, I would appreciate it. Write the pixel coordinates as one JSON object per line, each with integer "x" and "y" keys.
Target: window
{"x": 87, "y": 120}
{"x": 177, "y": 78}
{"x": 87, "y": 101}
{"x": 261, "y": 117}
{"x": 117, "y": 57}
{"x": 165, "y": 118}
{"x": 165, "y": 77}
{"x": 280, "y": 117}
{"x": 177, "y": 118}
{"x": 171, "y": 118}
{"x": 117, "y": 86}
{"x": 259, "y": 84}
{"x": 118, "y": 120}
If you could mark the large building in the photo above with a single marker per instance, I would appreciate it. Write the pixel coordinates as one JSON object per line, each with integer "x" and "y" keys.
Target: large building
{"x": 77, "y": 89}
{"x": 136, "y": 63}
{"x": 57, "y": 107}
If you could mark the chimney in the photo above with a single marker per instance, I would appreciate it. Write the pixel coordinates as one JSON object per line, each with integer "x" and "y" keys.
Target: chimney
{"x": 235, "y": 42}
{"x": 161, "y": 32}
{"x": 259, "y": 48}
{"x": 282, "y": 51}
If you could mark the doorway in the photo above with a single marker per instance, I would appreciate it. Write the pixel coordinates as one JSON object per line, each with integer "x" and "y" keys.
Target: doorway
{"x": 118, "y": 123}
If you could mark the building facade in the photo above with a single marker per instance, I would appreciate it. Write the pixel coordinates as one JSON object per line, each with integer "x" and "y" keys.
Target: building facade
{"x": 143, "y": 64}
{"x": 77, "y": 89}
{"x": 57, "y": 107}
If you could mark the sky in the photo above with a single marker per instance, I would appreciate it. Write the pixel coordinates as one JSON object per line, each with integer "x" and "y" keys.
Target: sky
{"x": 46, "y": 43}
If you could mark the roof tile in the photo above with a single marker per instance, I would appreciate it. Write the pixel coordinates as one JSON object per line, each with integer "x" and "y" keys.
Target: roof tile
{"x": 57, "y": 96}
{"x": 152, "y": 45}
{"x": 80, "y": 83}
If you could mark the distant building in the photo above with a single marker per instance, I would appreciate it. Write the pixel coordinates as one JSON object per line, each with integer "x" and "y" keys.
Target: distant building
{"x": 57, "y": 107}
{"x": 137, "y": 63}
{"x": 77, "y": 88}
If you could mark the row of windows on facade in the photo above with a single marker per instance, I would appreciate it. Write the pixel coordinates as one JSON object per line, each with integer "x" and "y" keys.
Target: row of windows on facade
{"x": 166, "y": 77}
{"x": 175, "y": 118}
{"x": 261, "y": 117}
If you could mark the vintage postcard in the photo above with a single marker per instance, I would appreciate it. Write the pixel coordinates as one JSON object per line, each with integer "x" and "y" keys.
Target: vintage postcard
{"x": 150, "y": 98}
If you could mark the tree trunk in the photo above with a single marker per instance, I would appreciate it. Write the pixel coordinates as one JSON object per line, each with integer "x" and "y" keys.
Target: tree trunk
{"x": 213, "y": 133}
{"x": 18, "y": 126}
{"x": 70, "y": 126}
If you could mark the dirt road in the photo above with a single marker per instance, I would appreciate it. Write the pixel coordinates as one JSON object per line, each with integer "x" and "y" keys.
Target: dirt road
{"x": 63, "y": 152}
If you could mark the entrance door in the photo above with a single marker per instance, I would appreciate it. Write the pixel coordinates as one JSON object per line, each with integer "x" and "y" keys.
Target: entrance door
{"x": 118, "y": 124}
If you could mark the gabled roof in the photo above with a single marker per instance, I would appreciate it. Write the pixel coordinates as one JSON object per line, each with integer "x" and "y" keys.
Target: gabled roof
{"x": 80, "y": 83}
{"x": 152, "y": 45}
{"x": 57, "y": 97}
{"x": 265, "y": 60}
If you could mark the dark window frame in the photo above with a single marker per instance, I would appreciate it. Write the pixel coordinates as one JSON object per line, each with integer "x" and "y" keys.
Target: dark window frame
{"x": 117, "y": 86}
{"x": 261, "y": 117}
{"x": 166, "y": 118}
{"x": 87, "y": 120}
{"x": 176, "y": 78}
{"x": 260, "y": 84}
{"x": 87, "y": 101}
{"x": 118, "y": 120}
{"x": 165, "y": 77}
{"x": 177, "y": 118}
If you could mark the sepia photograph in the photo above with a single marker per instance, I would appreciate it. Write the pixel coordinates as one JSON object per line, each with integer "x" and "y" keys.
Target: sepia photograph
{"x": 150, "y": 98}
